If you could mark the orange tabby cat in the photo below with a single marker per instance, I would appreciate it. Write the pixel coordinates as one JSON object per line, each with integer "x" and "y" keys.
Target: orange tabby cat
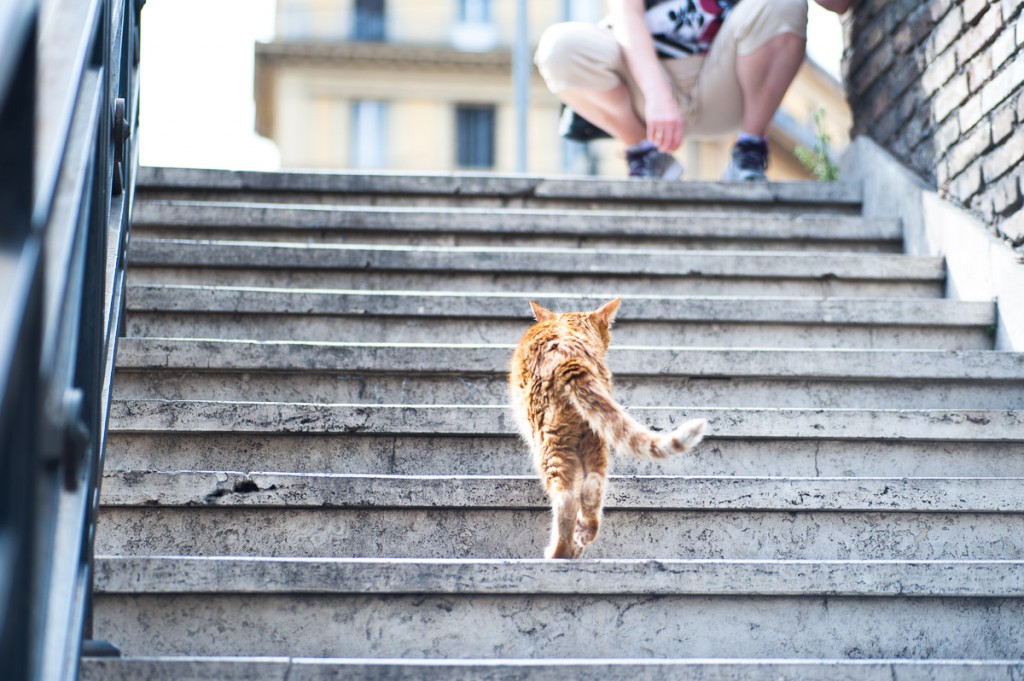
{"x": 561, "y": 393}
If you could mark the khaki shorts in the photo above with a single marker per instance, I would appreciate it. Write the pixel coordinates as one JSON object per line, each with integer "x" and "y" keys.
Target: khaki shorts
{"x": 587, "y": 56}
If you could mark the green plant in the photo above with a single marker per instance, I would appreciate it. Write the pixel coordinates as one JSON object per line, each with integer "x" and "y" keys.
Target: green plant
{"x": 819, "y": 160}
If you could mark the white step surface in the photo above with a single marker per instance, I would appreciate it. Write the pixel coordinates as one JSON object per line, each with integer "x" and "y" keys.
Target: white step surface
{"x": 314, "y": 669}
{"x": 594, "y": 271}
{"x": 667, "y": 493}
{"x": 846, "y": 424}
{"x": 452, "y": 532}
{"x": 500, "y": 190}
{"x": 506, "y": 454}
{"x": 155, "y": 353}
{"x": 253, "y": 514}
{"x": 520, "y": 227}
{"x": 813, "y": 625}
{"x": 495, "y": 305}
{"x": 402, "y": 316}
{"x": 266, "y": 576}
{"x": 476, "y": 374}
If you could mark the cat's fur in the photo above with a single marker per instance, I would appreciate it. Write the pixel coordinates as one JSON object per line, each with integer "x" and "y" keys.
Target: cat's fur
{"x": 561, "y": 394}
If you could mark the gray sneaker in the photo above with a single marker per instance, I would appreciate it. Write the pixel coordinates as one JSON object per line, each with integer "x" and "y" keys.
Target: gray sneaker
{"x": 749, "y": 160}
{"x": 652, "y": 164}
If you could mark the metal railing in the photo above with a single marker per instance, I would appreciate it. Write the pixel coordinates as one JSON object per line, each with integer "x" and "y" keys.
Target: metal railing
{"x": 68, "y": 111}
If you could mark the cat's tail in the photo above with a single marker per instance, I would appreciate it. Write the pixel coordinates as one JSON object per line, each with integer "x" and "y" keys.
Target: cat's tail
{"x": 593, "y": 400}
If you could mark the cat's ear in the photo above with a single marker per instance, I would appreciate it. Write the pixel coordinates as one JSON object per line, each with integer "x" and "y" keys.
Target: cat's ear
{"x": 606, "y": 313}
{"x": 540, "y": 313}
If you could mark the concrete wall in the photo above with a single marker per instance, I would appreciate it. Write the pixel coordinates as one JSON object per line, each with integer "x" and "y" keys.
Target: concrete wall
{"x": 940, "y": 85}
{"x": 979, "y": 265}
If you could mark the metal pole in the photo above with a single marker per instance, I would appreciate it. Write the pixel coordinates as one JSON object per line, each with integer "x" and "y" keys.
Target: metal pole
{"x": 521, "y": 72}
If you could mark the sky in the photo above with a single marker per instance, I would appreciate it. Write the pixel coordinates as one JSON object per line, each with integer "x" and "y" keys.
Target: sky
{"x": 197, "y": 107}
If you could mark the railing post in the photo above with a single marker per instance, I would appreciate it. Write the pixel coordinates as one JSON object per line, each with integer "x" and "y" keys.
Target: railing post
{"x": 17, "y": 142}
{"x": 21, "y": 321}
{"x": 111, "y": 217}
{"x": 522, "y": 71}
{"x": 60, "y": 206}
{"x": 111, "y": 169}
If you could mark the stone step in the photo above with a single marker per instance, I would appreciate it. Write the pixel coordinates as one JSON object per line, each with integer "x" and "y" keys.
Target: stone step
{"x": 493, "y": 305}
{"x": 406, "y": 531}
{"x": 347, "y": 386}
{"x": 320, "y": 669}
{"x": 648, "y": 492}
{"x": 149, "y": 416}
{"x": 854, "y": 609}
{"x": 491, "y": 190}
{"x": 420, "y": 226}
{"x": 545, "y": 284}
{"x": 534, "y": 261}
{"x": 959, "y": 334}
{"x": 508, "y": 455}
{"x": 400, "y": 316}
{"x": 355, "y": 576}
{"x": 475, "y": 374}
{"x": 410, "y": 531}
{"x": 267, "y": 514}
{"x": 624, "y": 360}
{"x": 592, "y": 271}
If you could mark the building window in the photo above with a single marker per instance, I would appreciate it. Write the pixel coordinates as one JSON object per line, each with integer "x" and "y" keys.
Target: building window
{"x": 369, "y": 20}
{"x": 583, "y": 10}
{"x": 474, "y": 134}
{"x": 475, "y": 11}
{"x": 369, "y": 134}
{"x": 295, "y": 22}
{"x": 474, "y": 29}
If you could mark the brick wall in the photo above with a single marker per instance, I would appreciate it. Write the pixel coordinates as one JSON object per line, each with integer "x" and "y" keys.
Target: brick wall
{"x": 940, "y": 84}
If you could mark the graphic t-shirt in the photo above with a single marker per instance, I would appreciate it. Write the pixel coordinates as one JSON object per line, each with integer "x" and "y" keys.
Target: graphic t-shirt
{"x": 685, "y": 27}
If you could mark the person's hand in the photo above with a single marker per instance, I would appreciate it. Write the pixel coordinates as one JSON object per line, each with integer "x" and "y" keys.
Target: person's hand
{"x": 664, "y": 123}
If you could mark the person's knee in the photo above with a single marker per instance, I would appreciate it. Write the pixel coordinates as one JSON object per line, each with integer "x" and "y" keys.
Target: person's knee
{"x": 765, "y": 22}
{"x": 557, "y": 51}
{"x": 759, "y": 17}
{"x": 578, "y": 55}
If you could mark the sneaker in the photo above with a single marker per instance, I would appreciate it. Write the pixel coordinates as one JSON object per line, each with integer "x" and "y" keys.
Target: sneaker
{"x": 749, "y": 160}
{"x": 652, "y": 164}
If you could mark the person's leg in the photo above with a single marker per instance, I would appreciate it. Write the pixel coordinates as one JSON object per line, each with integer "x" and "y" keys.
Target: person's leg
{"x": 764, "y": 75}
{"x": 751, "y": 63}
{"x": 610, "y": 110}
{"x": 583, "y": 65}
{"x": 748, "y": 69}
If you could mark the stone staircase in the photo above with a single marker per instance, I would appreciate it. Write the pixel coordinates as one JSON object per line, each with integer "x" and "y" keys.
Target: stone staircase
{"x": 312, "y": 472}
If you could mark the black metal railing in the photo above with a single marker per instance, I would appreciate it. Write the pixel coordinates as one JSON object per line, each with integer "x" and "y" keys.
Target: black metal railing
{"x": 68, "y": 112}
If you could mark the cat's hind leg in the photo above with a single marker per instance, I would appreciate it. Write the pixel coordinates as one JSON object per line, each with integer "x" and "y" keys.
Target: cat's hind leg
{"x": 563, "y": 510}
{"x": 561, "y": 480}
{"x": 588, "y": 521}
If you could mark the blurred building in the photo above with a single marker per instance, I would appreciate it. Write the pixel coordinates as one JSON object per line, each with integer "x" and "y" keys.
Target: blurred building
{"x": 426, "y": 85}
